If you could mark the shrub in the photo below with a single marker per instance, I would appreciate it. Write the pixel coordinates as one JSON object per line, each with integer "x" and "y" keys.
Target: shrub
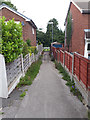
{"x": 33, "y": 49}
{"x": 28, "y": 42}
{"x": 12, "y": 43}
{"x": 25, "y": 49}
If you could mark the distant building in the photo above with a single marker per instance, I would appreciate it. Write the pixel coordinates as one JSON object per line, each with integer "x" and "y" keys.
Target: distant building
{"x": 80, "y": 41}
{"x": 29, "y": 27}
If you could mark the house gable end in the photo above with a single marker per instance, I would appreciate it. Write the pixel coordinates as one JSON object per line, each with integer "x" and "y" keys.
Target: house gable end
{"x": 21, "y": 15}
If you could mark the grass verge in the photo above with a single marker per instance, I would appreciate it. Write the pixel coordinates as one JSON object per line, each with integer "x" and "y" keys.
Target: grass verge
{"x": 70, "y": 82}
{"x": 30, "y": 74}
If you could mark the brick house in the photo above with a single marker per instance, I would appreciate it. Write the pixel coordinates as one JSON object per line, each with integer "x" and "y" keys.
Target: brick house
{"x": 80, "y": 41}
{"x": 29, "y": 27}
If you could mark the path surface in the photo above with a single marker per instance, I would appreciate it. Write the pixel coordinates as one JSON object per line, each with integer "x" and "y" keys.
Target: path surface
{"x": 49, "y": 97}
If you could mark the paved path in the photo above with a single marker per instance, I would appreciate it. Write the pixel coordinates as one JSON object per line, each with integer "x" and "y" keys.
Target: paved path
{"x": 49, "y": 97}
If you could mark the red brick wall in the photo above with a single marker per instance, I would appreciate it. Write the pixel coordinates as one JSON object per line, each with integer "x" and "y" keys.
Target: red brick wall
{"x": 80, "y": 22}
{"x": 27, "y": 29}
{"x": 0, "y": 13}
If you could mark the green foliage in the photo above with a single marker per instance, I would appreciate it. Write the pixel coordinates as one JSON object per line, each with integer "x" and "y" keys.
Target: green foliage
{"x": 0, "y": 36}
{"x": 12, "y": 43}
{"x": 33, "y": 49}
{"x": 69, "y": 30}
{"x": 28, "y": 42}
{"x": 8, "y": 2}
{"x": 45, "y": 50}
{"x": 1, "y": 113}
{"x": 31, "y": 74}
{"x": 46, "y": 38}
{"x": 40, "y": 37}
{"x": 25, "y": 49}
{"x": 58, "y": 35}
{"x": 23, "y": 94}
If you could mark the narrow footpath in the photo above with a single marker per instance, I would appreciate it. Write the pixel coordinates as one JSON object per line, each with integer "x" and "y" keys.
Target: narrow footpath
{"x": 49, "y": 97}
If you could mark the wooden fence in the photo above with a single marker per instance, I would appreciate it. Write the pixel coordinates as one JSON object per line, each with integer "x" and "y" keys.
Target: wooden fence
{"x": 78, "y": 68}
{"x": 82, "y": 69}
{"x": 15, "y": 70}
{"x": 76, "y": 64}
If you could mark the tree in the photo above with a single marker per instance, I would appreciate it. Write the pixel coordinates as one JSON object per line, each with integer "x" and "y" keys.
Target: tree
{"x": 46, "y": 38}
{"x": 41, "y": 37}
{"x": 61, "y": 36}
{"x": 69, "y": 30}
{"x": 12, "y": 42}
{"x": 58, "y": 35}
{"x": 8, "y": 2}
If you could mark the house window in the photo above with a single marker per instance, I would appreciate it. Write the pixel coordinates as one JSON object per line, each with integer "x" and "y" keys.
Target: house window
{"x": 87, "y": 35}
{"x": 88, "y": 47}
{"x": 89, "y": 56}
{"x": 32, "y": 30}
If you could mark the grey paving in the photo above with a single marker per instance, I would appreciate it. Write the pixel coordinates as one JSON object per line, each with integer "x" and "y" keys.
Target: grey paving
{"x": 49, "y": 97}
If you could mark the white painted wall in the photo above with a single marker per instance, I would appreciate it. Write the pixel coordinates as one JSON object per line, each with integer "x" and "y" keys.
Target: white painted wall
{"x": 3, "y": 78}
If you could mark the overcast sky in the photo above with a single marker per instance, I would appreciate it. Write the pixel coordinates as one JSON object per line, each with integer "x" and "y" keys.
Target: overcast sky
{"x": 41, "y": 11}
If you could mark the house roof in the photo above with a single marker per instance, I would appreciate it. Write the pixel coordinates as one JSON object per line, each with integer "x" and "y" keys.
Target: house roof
{"x": 18, "y": 13}
{"x": 82, "y": 5}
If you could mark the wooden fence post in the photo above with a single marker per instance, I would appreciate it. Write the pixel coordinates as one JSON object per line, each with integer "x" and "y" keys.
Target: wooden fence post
{"x": 23, "y": 74}
{"x": 64, "y": 59}
{"x": 59, "y": 57}
{"x": 72, "y": 66}
{"x": 3, "y": 78}
{"x": 29, "y": 59}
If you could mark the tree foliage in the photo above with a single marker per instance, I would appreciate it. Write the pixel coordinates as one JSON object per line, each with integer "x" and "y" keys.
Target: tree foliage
{"x": 69, "y": 30}
{"x": 46, "y": 38}
{"x": 12, "y": 42}
{"x": 41, "y": 37}
{"x": 8, "y": 2}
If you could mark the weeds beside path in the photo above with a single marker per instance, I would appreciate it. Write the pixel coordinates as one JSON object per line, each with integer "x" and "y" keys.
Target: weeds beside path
{"x": 31, "y": 74}
{"x": 70, "y": 82}
{"x": 11, "y": 105}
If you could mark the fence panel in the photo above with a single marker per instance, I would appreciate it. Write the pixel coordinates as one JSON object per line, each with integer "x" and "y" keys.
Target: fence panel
{"x": 88, "y": 75}
{"x": 68, "y": 61}
{"x": 58, "y": 55}
{"x": 61, "y": 56}
{"x": 26, "y": 62}
{"x": 13, "y": 70}
{"x": 81, "y": 68}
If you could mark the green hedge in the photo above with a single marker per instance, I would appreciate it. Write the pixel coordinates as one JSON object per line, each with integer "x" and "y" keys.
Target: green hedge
{"x": 11, "y": 39}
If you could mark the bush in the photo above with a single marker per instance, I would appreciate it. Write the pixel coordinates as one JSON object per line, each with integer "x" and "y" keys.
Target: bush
{"x": 33, "y": 49}
{"x": 12, "y": 42}
{"x": 28, "y": 42}
{"x": 25, "y": 49}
